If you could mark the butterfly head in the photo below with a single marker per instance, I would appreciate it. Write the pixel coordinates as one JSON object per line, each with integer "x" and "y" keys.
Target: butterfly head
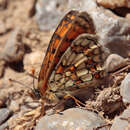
{"x": 36, "y": 93}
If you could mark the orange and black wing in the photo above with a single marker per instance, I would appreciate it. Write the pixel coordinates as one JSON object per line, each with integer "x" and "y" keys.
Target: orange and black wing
{"x": 61, "y": 30}
{"x": 72, "y": 25}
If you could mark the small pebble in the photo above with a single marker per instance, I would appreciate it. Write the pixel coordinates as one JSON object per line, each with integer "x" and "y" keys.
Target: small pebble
{"x": 4, "y": 114}
{"x": 122, "y": 122}
{"x": 14, "y": 47}
{"x": 14, "y": 106}
{"x": 4, "y": 126}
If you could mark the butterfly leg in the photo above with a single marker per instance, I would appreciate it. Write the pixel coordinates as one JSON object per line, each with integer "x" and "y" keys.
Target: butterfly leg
{"x": 61, "y": 105}
{"x": 78, "y": 103}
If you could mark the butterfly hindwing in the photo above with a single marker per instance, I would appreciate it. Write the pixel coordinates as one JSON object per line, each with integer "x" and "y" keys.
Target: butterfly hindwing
{"x": 80, "y": 65}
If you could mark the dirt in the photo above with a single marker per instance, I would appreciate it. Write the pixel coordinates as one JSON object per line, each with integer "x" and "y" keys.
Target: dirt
{"x": 16, "y": 84}
{"x": 14, "y": 17}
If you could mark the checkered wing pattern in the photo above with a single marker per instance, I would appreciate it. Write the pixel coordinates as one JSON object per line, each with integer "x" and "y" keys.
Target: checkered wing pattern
{"x": 80, "y": 66}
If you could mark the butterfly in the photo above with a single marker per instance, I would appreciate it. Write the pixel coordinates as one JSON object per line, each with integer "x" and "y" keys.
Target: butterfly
{"x": 73, "y": 60}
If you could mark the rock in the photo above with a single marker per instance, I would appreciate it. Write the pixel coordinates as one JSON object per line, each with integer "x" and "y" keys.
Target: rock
{"x": 125, "y": 89}
{"x": 128, "y": 16}
{"x": 50, "y": 12}
{"x": 122, "y": 122}
{"x": 3, "y": 27}
{"x": 3, "y": 100}
{"x": 29, "y": 102}
{"x": 71, "y": 119}
{"x": 2, "y": 67}
{"x": 14, "y": 48}
{"x": 114, "y": 3}
{"x": 33, "y": 58}
{"x": 46, "y": 12}
{"x": 26, "y": 119}
{"x": 32, "y": 105}
{"x": 4, "y": 114}
{"x": 114, "y": 62}
{"x": 109, "y": 100}
{"x": 4, "y": 126}
{"x": 3, "y": 4}
{"x": 33, "y": 61}
{"x": 14, "y": 106}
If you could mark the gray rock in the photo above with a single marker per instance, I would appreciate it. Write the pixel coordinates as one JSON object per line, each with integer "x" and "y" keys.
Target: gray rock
{"x": 50, "y": 12}
{"x": 115, "y": 62}
{"x": 122, "y": 122}
{"x": 71, "y": 119}
{"x": 14, "y": 48}
{"x": 47, "y": 14}
{"x": 4, "y": 126}
{"x": 4, "y": 114}
{"x": 32, "y": 105}
{"x": 14, "y": 105}
{"x": 125, "y": 89}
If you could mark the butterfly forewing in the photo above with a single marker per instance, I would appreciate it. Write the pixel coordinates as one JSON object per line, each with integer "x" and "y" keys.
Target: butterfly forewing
{"x": 72, "y": 25}
{"x": 61, "y": 30}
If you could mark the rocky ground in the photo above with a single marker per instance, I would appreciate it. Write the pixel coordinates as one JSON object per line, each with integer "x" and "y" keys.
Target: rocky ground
{"x": 25, "y": 30}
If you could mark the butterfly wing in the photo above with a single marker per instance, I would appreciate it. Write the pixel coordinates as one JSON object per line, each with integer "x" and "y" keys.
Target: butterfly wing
{"x": 80, "y": 66}
{"x": 72, "y": 25}
{"x": 61, "y": 30}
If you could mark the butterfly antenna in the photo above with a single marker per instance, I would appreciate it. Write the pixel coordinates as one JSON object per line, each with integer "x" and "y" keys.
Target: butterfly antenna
{"x": 33, "y": 72}
{"x": 18, "y": 82}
